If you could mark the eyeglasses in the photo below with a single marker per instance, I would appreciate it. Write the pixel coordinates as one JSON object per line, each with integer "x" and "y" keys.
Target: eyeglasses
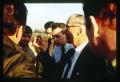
{"x": 72, "y": 26}
{"x": 76, "y": 25}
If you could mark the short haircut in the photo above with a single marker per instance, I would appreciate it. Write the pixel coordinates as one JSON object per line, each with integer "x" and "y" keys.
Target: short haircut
{"x": 58, "y": 25}
{"x": 48, "y": 24}
{"x": 28, "y": 30}
{"x": 98, "y": 8}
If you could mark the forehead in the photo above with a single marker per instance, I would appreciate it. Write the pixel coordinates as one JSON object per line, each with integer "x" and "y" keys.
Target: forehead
{"x": 26, "y": 34}
{"x": 56, "y": 31}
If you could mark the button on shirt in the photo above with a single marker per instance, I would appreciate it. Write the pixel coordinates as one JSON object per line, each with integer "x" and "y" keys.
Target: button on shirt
{"x": 57, "y": 52}
{"x": 74, "y": 59}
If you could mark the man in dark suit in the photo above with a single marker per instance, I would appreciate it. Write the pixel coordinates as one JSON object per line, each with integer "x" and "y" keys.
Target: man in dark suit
{"x": 98, "y": 59}
{"x": 76, "y": 27}
{"x": 85, "y": 65}
{"x": 88, "y": 66}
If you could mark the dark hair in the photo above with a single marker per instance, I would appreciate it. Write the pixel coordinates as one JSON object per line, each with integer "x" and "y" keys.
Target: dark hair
{"x": 28, "y": 30}
{"x": 60, "y": 25}
{"x": 8, "y": 2}
{"x": 98, "y": 8}
{"x": 48, "y": 24}
{"x": 20, "y": 12}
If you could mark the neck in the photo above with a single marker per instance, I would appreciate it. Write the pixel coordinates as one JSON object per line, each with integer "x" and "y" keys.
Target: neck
{"x": 81, "y": 41}
{"x": 14, "y": 39}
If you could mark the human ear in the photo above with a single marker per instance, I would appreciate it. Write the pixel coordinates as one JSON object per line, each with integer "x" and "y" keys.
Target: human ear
{"x": 94, "y": 26}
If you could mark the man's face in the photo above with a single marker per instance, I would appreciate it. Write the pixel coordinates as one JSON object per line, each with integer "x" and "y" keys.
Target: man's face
{"x": 26, "y": 38}
{"x": 8, "y": 12}
{"x": 78, "y": 30}
{"x": 59, "y": 37}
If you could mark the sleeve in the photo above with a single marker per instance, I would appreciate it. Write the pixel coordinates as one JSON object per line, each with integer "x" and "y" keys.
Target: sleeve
{"x": 22, "y": 67}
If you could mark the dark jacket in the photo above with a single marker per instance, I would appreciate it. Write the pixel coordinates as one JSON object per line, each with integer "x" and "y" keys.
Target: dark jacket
{"x": 45, "y": 66}
{"x": 89, "y": 66}
{"x": 15, "y": 61}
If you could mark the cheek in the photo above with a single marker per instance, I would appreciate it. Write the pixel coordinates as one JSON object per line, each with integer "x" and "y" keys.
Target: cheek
{"x": 62, "y": 39}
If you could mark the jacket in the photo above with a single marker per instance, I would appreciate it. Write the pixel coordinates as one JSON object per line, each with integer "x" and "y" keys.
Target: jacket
{"x": 15, "y": 61}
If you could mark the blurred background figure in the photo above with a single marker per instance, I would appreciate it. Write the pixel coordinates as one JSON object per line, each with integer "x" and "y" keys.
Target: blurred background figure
{"x": 15, "y": 61}
{"x": 48, "y": 27}
{"x": 24, "y": 42}
{"x": 48, "y": 30}
{"x": 101, "y": 30}
{"x": 76, "y": 26}
{"x": 45, "y": 63}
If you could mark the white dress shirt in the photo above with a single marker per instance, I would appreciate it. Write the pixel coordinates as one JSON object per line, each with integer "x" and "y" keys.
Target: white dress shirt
{"x": 57, "y": 52}
{"x": 78, "y": 51}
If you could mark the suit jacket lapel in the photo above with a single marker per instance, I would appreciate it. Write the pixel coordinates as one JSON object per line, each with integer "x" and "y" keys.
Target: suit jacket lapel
{"x": 77, "y": 67}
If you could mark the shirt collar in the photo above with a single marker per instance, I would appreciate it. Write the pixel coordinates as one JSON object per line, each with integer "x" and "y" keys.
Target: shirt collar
{"x": 80, "y": 47}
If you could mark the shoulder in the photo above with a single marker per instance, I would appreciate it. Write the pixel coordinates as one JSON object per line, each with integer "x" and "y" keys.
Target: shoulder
{"x": 69, "y": 47}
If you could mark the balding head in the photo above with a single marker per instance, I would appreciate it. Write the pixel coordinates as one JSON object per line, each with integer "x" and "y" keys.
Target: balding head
{"x": 76, "y": 25}
{"x": 75, "y": 20}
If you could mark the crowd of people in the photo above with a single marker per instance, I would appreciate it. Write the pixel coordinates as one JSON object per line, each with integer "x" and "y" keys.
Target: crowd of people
{"x": 82, "y": 48}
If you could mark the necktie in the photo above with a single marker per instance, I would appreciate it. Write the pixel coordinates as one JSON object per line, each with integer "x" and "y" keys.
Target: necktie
{"x": 69, "y": 62}
{"x": 63, "y": 52}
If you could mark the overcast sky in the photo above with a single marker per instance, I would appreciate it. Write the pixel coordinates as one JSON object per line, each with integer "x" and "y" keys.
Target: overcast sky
{"x": 40, "y": 13}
